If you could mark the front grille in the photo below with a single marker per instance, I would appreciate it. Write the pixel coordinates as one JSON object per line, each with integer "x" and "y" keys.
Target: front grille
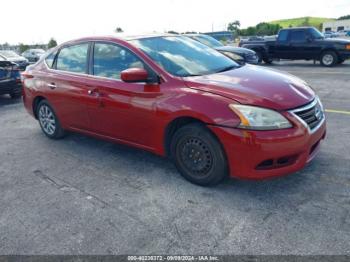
{"x": 312, "y": 114}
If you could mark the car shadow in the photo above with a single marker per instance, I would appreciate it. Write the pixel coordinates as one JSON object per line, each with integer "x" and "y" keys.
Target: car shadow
{"x": 162, "y": 170}
{"x": 7, "y": 100}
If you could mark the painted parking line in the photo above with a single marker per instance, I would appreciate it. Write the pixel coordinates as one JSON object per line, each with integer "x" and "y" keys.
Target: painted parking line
{"x": 338, "y": 111}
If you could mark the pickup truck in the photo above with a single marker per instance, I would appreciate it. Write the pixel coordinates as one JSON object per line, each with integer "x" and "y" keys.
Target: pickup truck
{"x": 302, "y": 43}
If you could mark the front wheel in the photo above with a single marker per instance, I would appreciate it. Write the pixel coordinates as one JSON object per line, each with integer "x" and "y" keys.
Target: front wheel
{"x": 48, "y": 121}
{"x": 259, "y": 55}
{"x": 268, "y": 61}
{"x": 329, "y": 58}
{"x": 198, "y": 155}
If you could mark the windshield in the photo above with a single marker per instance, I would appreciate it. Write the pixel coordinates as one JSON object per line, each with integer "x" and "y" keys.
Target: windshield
{"x": 182, "y": 56}
{"x": 207, "y": 40}
{"x": 316, "y": 34}
{"x": 8, "y": 54}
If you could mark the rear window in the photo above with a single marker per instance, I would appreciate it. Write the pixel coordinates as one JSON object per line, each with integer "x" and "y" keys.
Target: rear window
{"x": 73, "y": 58}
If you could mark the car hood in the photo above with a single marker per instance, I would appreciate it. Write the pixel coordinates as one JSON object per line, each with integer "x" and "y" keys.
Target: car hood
{"x": 237, "y": 50}
{"x": 255, "y": 85}
{"x": 17, "y": 59}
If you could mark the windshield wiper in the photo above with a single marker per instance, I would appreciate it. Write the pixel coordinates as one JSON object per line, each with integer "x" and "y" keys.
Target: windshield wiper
{"x": 227, "y": 68}
{"x": 189, "y": 75}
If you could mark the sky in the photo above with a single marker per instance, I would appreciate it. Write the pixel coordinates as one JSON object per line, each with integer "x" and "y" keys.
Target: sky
{"x": 36, "y": 21}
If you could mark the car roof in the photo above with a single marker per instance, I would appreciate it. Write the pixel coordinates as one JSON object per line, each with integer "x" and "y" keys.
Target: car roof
{"x": 194, "y": 34}
{"x": 120, "y": 37}
{"x": 298, "y": 28}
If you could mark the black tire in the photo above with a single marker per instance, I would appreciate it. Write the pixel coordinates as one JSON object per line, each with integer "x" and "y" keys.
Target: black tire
{"x": 267, "y": 61}
{"x": 48, "y": 117}
{"x": 329, "y": 58}
{"x": 259, "y": 55}
{"x": 198, "y": 155}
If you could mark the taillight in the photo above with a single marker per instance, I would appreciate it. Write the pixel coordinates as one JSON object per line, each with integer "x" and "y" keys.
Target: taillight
{"x": 26, "y": 75}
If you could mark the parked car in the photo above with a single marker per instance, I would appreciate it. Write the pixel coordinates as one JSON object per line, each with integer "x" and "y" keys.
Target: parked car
{"x": 21, "y": 61}
{"x": 330, "y": 34}
{"x": 33, "y": 55}
{"x": 176, "y": 97}
{"x": 256, "y": 38}
{"x": 10, "y": 79}
{"x": 303, "y": 43}
{"x": 241, "y": 55}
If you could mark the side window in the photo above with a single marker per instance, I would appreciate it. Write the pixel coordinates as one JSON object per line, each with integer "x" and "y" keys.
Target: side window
{"x": 73, "y": 58}
{"x": 282, "y": 36}
{"x": 298, "y": 36}
{"x": 110, "y": 60}
{"x": 50, "y": 59}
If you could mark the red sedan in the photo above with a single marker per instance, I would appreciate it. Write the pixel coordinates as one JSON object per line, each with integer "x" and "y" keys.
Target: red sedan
{"x": 175, "y": 97}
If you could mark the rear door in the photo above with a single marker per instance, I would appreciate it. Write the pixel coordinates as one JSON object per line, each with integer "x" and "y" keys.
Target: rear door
{"x": 298, "y": 42}
{"x": 65, "y": 85}
{"x": 282, "y": 47}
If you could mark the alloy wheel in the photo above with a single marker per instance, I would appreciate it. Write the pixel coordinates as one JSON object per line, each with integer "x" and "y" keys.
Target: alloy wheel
{"x": 328, "y": 59}
{"x": 47, "y": 120}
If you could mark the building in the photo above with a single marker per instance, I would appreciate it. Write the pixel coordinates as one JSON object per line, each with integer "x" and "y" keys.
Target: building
{"x": 337, "y": 25}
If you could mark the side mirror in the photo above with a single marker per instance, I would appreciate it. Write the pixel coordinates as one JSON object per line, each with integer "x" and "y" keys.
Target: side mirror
{"x": 309, "y": 39}
{"x": 134, "y": 75}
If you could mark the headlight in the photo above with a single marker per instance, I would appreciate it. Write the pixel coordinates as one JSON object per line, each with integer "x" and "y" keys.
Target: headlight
{"x": 258, "y": 118}
{"x": 347, "y": 47}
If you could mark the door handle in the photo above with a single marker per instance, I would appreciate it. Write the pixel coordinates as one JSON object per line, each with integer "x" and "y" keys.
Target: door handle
{"x": 52, "y": 85}
{"x": 92, "y": 92}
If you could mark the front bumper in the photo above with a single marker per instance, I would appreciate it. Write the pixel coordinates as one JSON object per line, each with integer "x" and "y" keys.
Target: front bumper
{"x": 254, "y": 60}
{"x": 344, "y": 55}
{"x": 266, "y": 154}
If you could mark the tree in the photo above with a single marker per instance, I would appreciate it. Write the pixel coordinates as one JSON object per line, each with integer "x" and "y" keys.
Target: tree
{"x": 23, "y": 47}
{"x": 172, "y": 32}
{"x": 234, "y": 26}
{"x": 306, "y": 22}
{"x": 261, "y": 29}
{"x": 119, "y": 30}
{"x": 52, "y": 43}
{"x": 344, "y": 17}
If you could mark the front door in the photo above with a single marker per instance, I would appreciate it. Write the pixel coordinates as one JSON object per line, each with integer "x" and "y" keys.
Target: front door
{"x": 124, "y": 111}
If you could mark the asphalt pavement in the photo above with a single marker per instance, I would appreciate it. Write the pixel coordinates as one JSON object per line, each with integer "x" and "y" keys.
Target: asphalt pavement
{"x": 81, "y": 195}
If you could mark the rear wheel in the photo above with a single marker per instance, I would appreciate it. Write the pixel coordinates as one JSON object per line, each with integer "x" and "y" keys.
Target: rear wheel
{"x": 329, "y": 58}
{"x": 198, "y": 155}
{"x": 48, "y": 121}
